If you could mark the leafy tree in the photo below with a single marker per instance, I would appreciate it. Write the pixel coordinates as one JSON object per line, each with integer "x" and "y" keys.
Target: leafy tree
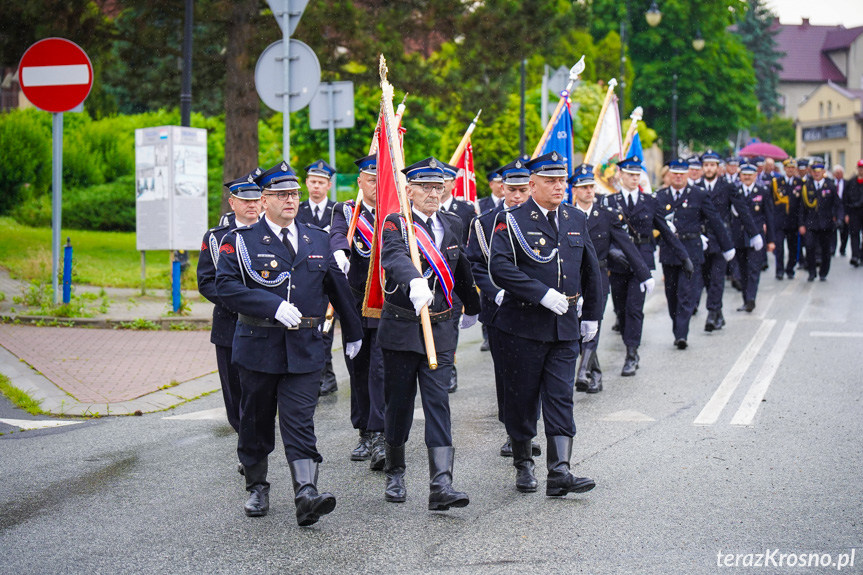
{"x": 757, "y": 33}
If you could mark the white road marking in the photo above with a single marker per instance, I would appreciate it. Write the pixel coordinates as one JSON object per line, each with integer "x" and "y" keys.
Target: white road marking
{"x": 746, "y": 413}
{"x": 37, "y": 423}
{"x": 70, "y": 75}
{"x": 217, "y": 413}
{"x": 723, "y": 393}
{"x": 627, "y": 415}
{"x": 836, "y": 334}
{"x": 419, "y": 414}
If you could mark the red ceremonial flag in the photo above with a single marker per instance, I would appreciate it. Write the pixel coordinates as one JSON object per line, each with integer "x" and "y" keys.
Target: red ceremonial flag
{"x": 387, "y": 202}
{"x": 465, "y": 181}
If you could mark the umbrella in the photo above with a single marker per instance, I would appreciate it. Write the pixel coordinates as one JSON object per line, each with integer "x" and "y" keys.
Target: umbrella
{"x": 764, "y": 149}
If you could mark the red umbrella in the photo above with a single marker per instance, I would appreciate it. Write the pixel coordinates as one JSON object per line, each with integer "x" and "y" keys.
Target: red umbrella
{"x": 764, "y": 149}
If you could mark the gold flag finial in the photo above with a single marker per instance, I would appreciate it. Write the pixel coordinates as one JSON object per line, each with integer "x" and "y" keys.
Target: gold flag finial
{"x": 382, "y": 68}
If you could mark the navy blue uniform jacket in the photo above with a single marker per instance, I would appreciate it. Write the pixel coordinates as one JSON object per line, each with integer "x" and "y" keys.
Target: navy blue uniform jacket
{"x": 406, "y": 334}
{"x": 573, "y": 270}
{"x": 314, "y": 275}
{"x": 224, "y": 320}
{"x": 786, "y": 203}
{"x": 759, "y": 205}
{"x": 825, "y": 211}
{"x": 726, "y": 195}
{"x": 606, "y": 227}
{"x": 478, "y": 241}
{"x": 306, "y": 216}
{"x": 692, "y": 214}
{"x": 359, "y": 254}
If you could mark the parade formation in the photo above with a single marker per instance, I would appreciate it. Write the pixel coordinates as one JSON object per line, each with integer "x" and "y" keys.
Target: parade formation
{"x": 414, "y": 259}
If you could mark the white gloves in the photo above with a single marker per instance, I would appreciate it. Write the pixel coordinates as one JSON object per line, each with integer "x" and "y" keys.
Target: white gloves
{"x": 498, "y": 299}
{"x": 704, "y": 242}
{"x": 579, "y": 303}
{"x": 729, "y": 255}
{"x": 466, "y": 321}
{"x": 647, "y": 286}
{"x": 756, "y": 243}
{"x": 353, "y": 348}
{"x": 669, "y": 219}
{"x": 342, "y": 260}
{"x": 588, "y": 330}
{"x": 555, "y": 301}
{"x": 420, "y": 294}
{"x": 288, "y": 314}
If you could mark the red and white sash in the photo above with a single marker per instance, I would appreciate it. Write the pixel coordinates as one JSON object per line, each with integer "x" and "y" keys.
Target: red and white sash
{"x": 435, "y": 259}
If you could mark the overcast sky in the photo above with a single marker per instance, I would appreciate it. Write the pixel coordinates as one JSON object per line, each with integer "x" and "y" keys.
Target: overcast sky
{"x": 849, "y": 13}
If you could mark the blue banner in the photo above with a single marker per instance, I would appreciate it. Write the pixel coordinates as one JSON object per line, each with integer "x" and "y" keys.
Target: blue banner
{"x": 636, "y": 149}
{"x": 560, "y": 141}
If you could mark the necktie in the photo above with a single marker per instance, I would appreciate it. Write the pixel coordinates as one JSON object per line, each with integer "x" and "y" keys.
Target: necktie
{"x": 317, "y": 215}
{"x": 552, "y": 221}
{"x": 286, "y": 239}
{"x": 629, "y": 201}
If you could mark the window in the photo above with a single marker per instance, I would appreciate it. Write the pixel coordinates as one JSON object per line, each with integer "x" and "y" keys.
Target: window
{"x": 820, "y": 109}
{"x": 841, "y": 155}
{"x": 829, "y": 109}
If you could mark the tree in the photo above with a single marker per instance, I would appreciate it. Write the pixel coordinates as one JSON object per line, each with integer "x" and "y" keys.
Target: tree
{"x": 758, "y": 34}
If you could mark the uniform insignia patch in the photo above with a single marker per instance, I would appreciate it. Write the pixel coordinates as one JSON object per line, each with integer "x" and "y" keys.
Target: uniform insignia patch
{"x": 534, "y": 215}
{"x": 265, "y": 274}
{"x": 360, "y": 245}
{"x": 266, "y": 240}
{"x": 315, "y": 257}
{"x": 226, "y": 249}
{"x": 274, "y": 264}
{"x": 536, "y": 251}
{"x": 203, "y": 246}
{"x": 305, "y": 237}
{"x": 284, "y": 167}
{"x": 595, "y": 212}
{"x": 542, "y": 241}
{"x": 565, "y": 215}
{"x": 500, "y": 227}
{"x": 390, "y": 227}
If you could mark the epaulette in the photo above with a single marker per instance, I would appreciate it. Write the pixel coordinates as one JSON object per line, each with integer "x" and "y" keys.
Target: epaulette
{"x": 241, "y": 228}
{"x": 219, "y": 228}
{"x": 313, "y": 227}
{"x": 450, "y": 214}
{"x": 488, "y": 211}
{"x": 514, "y": 208}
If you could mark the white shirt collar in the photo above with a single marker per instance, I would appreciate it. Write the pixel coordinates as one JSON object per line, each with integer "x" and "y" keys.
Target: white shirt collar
{"x": 278, "y": 230}
{"x": 421, "y": 216}
{"x": 587, "y": 211}
{"x": 322, "y": 205}
{"x": 447, "y": 204}
{"x": 545, "y": 212}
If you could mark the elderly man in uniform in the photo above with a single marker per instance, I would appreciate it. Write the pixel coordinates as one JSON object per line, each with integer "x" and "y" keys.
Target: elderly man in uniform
{"x": 749, "y": 244}
{"x": 318, "y": 211}
{"x": 688, "y": 209}
{"x": 445, "y": 271}
{"x": 643, "y": 215}
{"x": 277, "y": 275}
{"x": 819, "y": 211}
{"x": 542, "y": 257}
{"x": 852, "y": 201}
{"x": 366, "y": 369}
{"x": 611, "y": 241}
{"x": 245, "y": 202}
{"x": 515, "y": 177}
{"x": 785, "y": 191}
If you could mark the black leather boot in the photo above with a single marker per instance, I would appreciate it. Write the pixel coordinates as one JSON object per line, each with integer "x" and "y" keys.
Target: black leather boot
{"x": 395, "y": 473}
{"x": 630, "y": 364}
{"x": 582, "y": 377}
{"x": 720, "y": 320}
{"x": 442, "y": 496}
{"x": 535, "y": 449}
{"x": 363, "y": 449}
{"x": 379, "y": 454}
{"x": 258, "y": 502}
{"x": 506, "y": 448}
{"x": 594, "y": 385}
{"x": 525, "y": 480}
{"x": 453, "y": 381}
{"x": 328, "y": 380}
{"x": 712, "y": 322}
{"x": 310, "y": 504}
{"x": 560, "y": 481}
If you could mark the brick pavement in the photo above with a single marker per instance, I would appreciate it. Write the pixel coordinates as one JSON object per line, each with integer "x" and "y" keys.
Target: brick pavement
{"x": 108, "y": 366}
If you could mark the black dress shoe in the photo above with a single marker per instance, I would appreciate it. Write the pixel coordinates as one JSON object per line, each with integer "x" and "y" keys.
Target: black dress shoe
{"x": 484, "y": 346}
{"x": 328, "y": 380}
{"x": 710, "y": 324}
{"x": 735, "y": 283}
{"x": 823, "y": 278}
{"x": 810, "y": 279}
{"x": 780, "y": 276}
{"x": 535, "y": 449}
{"x": 680, "y": 343}
{"x": 790, "y": 274}
{"x": 747, "y": 306}
{"x": 506, "y": 448}
{"x": 720, "y": 320}
{"x": 453, "y": 381}
{"x": 854, "y": 262}
{"x": 378, "y": 457}
{"x": 630, "y": 364}
{"x": 363, "y": 449}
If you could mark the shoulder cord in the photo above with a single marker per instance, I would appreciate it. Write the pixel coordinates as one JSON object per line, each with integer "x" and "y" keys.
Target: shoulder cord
{"x": 480, "y": 237}
{"x": 214, "y": 249}
{"x": 811, "y": 204}
{"x": 780, "y": 198}
{"x": 246, "y": 263}
{"x": 523, "y": 243}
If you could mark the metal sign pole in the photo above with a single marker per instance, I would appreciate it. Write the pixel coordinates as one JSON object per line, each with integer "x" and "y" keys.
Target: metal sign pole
{"x": 57, "y": 200}
{"x": 286, "y": 95}
{"x": 331, "y": 115}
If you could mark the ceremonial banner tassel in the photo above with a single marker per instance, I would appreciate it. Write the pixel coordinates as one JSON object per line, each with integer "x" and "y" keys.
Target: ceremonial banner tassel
{"x": 606, "y": 148}
{"x": 392, "y": 198}
{"x": 462, "y": 158}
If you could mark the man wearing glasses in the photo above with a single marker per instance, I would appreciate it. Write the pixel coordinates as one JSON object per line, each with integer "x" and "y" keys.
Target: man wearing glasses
{"x": 277, "y": 275}
{"x": 445, "y": 271}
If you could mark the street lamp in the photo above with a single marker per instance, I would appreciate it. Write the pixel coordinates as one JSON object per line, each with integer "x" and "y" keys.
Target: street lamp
{"x": 698, "y": 41}
{"x": 653, "y": 17}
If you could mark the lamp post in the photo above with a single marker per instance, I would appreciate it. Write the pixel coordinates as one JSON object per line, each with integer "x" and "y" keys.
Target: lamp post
{"x": 653, "y": 17}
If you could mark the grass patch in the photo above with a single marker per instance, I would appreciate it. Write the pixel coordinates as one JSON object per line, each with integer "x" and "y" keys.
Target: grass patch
{"x": 108, "y": 259}
{"x": 20, "y": 398}
{"x": 138, "y": 324}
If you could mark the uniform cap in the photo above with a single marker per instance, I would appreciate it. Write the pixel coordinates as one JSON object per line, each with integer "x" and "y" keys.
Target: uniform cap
{"x": 678, "y": 166}
{"x": 710, "y": 156}
{"x": 748, "y": 168}
{"x": 449, "y": 172}
{"x": 551, "y": 165}
{"x": 246, "y": 188}
{"x": 583, "y": 176}
{"x": 368, "y": 164}
{"x": 515, "y": 173}
{"x": 429, "y": 171}
{"x": 279, "y": 177}
{"x": 694, "y": 161}
{"x": 494, "y": 175}
{"x": 320, "y": 168}
{"x": 631, "y": 165}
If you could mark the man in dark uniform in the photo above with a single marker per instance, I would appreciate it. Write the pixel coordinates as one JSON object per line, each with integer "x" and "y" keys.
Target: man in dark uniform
{"x": 445, "y": 270}
{"x": 689, "y": 209}
{"x": 245, "y": 202}
{"x": 277, "y": 275}
{"x": 841, "y": 226}
{"x": 607, "y": 230}
{"x": 786, "y": 207}
{"x": 748, "y": 245}
{"x": 642, "y": 214}
{"x": 732, "y": 165}
{"x": 818, "y": 214}
{"x": 515, "y": 177}
{"x": 318, "y": 211}
{"x": 367, "y": 368}
{"x": 542, "y": 257}
{"x": 803, "y": 175}
{"x": 495, "y": 183}
{"x": 853, "y": 203}
{"x": 695, "y": 171}
{"x": 465, "y": 212}
{"x": 728, "y": 200}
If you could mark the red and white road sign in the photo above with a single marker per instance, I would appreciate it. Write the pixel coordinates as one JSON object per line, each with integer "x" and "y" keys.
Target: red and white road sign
{"x": 55, "y": 74}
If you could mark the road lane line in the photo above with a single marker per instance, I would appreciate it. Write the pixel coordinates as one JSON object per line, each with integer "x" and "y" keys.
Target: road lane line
{"x": 836, "y": 334}
{"x": 746, "y": 413}
{"x": 723, "y": 393}
{"x": 37, "y": 423}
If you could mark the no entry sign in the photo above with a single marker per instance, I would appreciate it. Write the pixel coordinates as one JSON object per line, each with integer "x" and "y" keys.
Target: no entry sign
{"x": 55, "y": 74}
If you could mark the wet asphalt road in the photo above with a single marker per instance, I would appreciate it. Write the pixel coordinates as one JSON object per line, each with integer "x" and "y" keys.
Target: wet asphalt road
{"x": 748, "y": 441}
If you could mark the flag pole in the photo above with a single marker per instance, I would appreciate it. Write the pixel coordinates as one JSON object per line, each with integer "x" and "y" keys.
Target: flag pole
{"x": 636, "y": 116}
{"x": 608, "y": 95}
{"x": 574, "y": 73}
{"x": 398, "y": 165}
{"x": 465, "y": 139}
